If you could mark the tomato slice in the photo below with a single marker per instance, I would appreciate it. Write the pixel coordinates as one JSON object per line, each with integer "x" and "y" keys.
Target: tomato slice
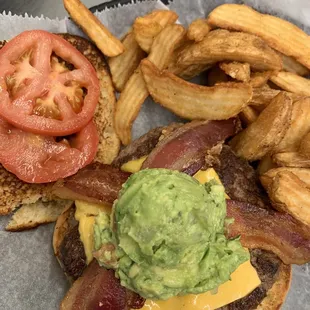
{"x": 38, "y": 91}
{"x": 40, "y": 159}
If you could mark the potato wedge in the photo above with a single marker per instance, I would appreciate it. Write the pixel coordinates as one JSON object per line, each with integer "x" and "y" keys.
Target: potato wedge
{"x": 237, "y": 70}
{"x": 103, "y": 38}
{"x": 267, "y": 131}
{"x": 147, "y": 27}
{"x": 216, "y": 75}
{"x": 292, "y": 65}
{"x": 248, "y": 116}
{"x": 260, "y": 79}
{"x": 265, "y": 165}
{"x": 135, "y": 91}
{"x": 124, "y": 65}
{"x": 292, "y": 82}
{"x": 299, "y": 127}
{"x": 222, "y": 45}
{"x": 198, "y": 29}
{"x": 291, "y": 159}
{"x": 304, "y": 148}
{"x": 302, "y": 173}
{"x": 289, "y": 194}
{"x": 192, "y": 101}
{"x": 280, "y": 34}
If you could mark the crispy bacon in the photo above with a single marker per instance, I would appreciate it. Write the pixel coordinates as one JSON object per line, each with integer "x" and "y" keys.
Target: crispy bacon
{"x": 99, "y": 289}
{"x": 270, "y": 230}
{"x": 95, "y": 183}
{"x": 186, "y": 147}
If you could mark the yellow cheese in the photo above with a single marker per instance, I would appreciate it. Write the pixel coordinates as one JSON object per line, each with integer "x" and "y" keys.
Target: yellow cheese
{"x": 243, "y": 281}
{"x": 133, "y": 165}
{"x": 85, "y": 214}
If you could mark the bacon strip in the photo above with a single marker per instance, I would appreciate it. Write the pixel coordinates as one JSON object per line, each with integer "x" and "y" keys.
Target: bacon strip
{"x": 99, "y": 289}
{"x": 186, "y": 147}
{"x": 95, "y": 183}
{"x": 270, "y": 230}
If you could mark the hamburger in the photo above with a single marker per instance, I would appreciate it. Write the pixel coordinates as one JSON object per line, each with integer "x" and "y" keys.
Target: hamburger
{"x": 95, "y": 248}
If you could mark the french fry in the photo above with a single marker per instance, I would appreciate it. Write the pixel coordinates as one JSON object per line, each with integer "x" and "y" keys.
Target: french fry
{"x": 192, "y": 101}
{"x": 237, "y": 70}
{"x": 248, "y": 115}
{"x": 216, "y": 76}
{"x": 124, "y": 65}
{"x": 302, "y": 173}
{"x": 281, "y": 35}
{"x": 260, "y": 79}
{"x": 292, "y": 82}
{"x": 265, "y": 165}
{"x": 198, "y": 29}
{"x": 289, "y": 194}
{"x": 147, "y": 27}
{"x": 90, "y": 24}
{"x": 298, "y": 128}
{"x": 222, "y": 45}
{"x": 304, "y": 148}
{"x": 291, "y": 159}
{"x": 292, "y": 65}
{"x": 267, "y": 131}
{"x": 262, "y": 96}
{"x": 135, "y": 91}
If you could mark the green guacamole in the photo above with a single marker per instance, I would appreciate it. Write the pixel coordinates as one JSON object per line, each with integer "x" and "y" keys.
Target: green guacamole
{"x": 169, "y": 235}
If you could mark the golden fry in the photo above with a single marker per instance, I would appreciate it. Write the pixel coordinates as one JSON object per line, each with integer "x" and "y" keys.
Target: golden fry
{"x": 299, "y": 127}
{"x": 260, "y": 79}
{"x": 105, "y": 41}
{"x": 124, "y": 65}
{"x": 292, "y": 82}
{"x": 146, "y": 28}
{"x": 291, "y": 159}
{"x": 291, "y": 65}
{"x": 262, "y": 96}
{"x": 198, "y": 29}
{"x": 248, "y": 115}
{"x": 304, "y": 148}
{"x": 237, "y": 70}
{"x": 222, "y": 45}
{"x": 192, "y": 101}
{"x": 302, "y": 173}
{"x": 135, "y": 91}
{"x": 267, "y": 131}
{"x": 265, "y": 165}
{"x": 290, "y": 194}
{"x": 281, "y": 35}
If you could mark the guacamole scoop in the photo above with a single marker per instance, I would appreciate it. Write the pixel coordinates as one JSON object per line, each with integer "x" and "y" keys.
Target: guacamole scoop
{"x": 168, "y": 235}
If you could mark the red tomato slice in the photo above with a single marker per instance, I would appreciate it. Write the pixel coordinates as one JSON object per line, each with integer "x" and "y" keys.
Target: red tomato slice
{"x": 41, "y": 95}
{"x": 40, "y": 159}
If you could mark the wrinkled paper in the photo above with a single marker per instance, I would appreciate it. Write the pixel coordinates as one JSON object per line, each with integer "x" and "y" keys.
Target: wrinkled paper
{"x": 30, "y": 277}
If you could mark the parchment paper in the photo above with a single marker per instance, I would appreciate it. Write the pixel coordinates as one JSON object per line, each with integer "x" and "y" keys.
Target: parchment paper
{"x": 30, "y": 277}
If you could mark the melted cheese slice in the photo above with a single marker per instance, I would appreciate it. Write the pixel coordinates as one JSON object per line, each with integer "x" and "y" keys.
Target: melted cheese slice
{"x": 243, "y": 281}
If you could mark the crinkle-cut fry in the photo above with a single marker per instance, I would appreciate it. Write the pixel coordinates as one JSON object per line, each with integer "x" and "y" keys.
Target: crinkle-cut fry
{"x": 237, "y": 70}
{"x": 90, "y": 24}
{"x": 198, "y": 29}
{"x": 248, "y": 115}
{"x": 124, "y": 65}
{"x": 291, "y": 195}
{"x": 302, "y": 173}
{"x": 292, "y": 82}
{"x": 291, "y": 159}
{"x": 135, "y": 91}
{"x": 280, "y": 34}
{"x": 267, "y": 131}
{"x": 192, "y": 101}
{"x": 265, "y": 165}
{"x": 292, "y": 65}
{"x": 299, "y": 127}
{"x": 259, "y": 79}
{"x": 304, "y": 148}
{"x": 222, "y": 45}
{"x": 147, "y": 27}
